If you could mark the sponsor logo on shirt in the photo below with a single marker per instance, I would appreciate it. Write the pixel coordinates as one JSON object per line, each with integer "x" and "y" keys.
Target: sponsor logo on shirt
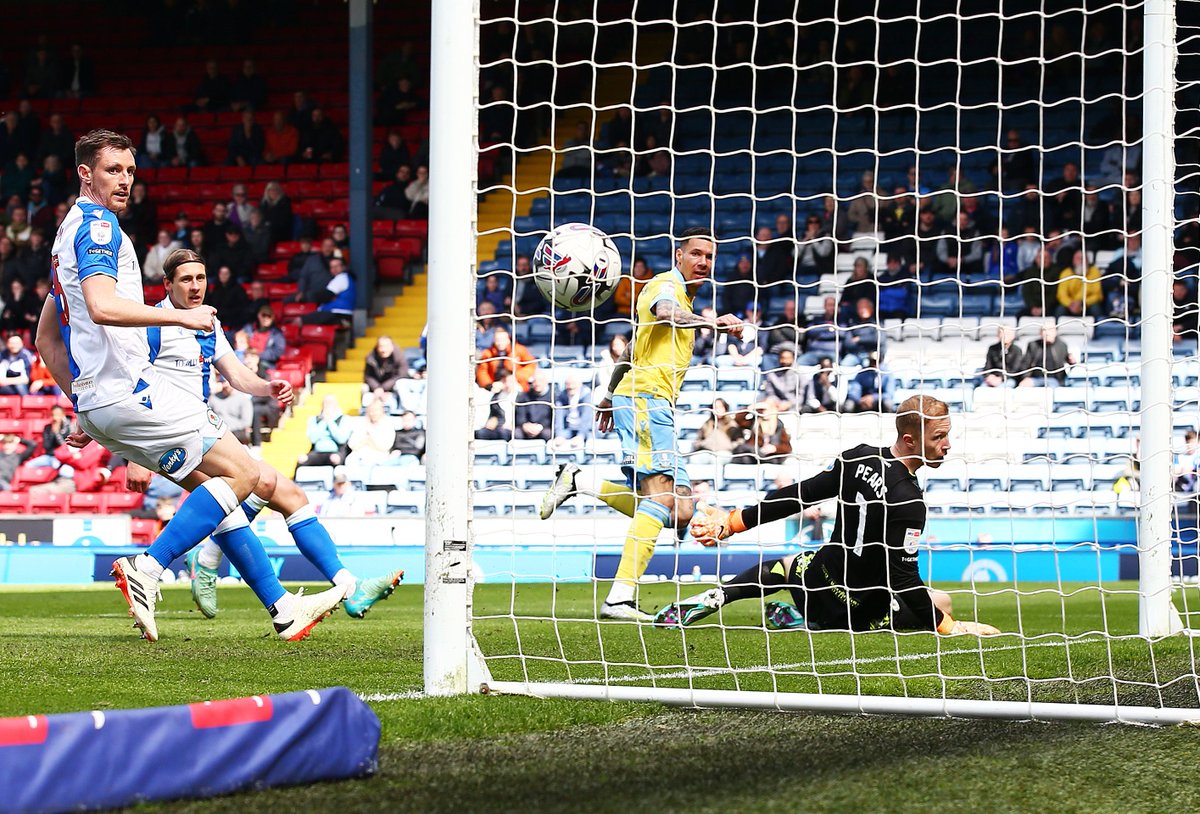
{"x": 172, "y": 459}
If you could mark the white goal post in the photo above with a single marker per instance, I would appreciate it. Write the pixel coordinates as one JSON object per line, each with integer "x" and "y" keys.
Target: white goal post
{"x": 588, "y": 658}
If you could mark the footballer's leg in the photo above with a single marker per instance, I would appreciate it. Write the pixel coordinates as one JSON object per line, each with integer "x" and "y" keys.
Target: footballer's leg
{"x": 313, "y": 541}
{"x": 755, "y": 582}
{"x": 653, "y": 512}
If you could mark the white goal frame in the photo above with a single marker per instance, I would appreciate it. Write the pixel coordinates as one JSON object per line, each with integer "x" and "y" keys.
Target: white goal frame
{"x": 453, "y": 663}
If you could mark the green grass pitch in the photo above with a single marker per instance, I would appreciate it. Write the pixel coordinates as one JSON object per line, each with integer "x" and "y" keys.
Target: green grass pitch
{"x": 69, "y": 650}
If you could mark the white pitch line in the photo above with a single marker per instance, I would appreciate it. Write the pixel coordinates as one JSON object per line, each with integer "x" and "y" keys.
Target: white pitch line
{"x": 712, "y": 671}
{"x": 391, "y": 696}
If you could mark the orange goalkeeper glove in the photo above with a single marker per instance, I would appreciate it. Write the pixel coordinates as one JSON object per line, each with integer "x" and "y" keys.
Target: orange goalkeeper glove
{"x": 710, "y": 525}
{"x": 961, "y": 627}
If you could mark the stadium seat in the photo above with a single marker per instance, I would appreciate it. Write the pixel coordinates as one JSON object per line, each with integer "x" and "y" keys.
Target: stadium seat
{"x": 49, "y": 503}
{"x": 142, "y": 531}
{"x": 14, "y": 502}
{"x": 123, "y": 502}
{"x": 10, "y": 406}
{"x": 27, "y": 476}
{"x": 87, "y": 502}
{"x": 404, "y": 502}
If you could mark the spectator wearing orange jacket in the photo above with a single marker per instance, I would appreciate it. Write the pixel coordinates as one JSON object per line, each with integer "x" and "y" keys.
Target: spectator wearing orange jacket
{"x": 506, "y": 353}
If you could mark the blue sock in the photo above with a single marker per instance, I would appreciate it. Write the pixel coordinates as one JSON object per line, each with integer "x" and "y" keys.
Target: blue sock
{"x": 314, "y": 541}
{"x": 195, "y": 520}
{"x": 246, "y": 554}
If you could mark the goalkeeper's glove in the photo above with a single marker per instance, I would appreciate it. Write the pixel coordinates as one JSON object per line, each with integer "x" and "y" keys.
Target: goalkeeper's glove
{"x": 961, "y": 627}
{"x": 710, "y": 525}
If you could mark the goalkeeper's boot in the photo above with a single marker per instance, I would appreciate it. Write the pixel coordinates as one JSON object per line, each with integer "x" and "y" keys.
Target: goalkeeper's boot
{"x": 369, "y": 591}
{"x": 782, "y": 616}
{"x": 624, "y": 610}
{"x": 310, "y": 610}
{"x": 709, "y": 525}
{"x": 204, "y": 584}
{"x": 141, "y": 592}
{"x": 688, "y": 611}
{"x": 562, "y": 490}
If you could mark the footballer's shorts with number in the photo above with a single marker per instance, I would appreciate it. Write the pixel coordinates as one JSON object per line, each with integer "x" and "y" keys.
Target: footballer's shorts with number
{"x": 646, "y": 427}
{"x": 159, "y": 426}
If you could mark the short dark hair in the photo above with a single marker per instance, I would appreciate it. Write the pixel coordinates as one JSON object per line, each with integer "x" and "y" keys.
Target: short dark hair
{"x": 176, "y": 259}
{"x": 702, "y": 232}
{"x": 89, "y": 146}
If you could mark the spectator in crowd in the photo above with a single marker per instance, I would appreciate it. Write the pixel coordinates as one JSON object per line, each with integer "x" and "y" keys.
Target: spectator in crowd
{"x": 409, "y": 445}
{"x": 1121, "y": 279}
{"x": 257, "y": 237}
{"x": 535, "y": 412}
{"x": 152, "y": 268}
{"x": 961, "y": 252}
{"x": 79, "y": 74}
{"x": 772, "y": 258}
{"x": 297, "y": 261}
{"x": 17, "y": 178}
{"x": 871, "y": 389}
{"x": 228, "y": 297}
{"x": 397, "y": 101}
{"x": 979, "y": 217}
{"x": 54, "y": 436}
{"x": 781, "y": 386}
{"x": 822, "y": 336}
{"x": 1079, "y": 290}
{"x": 328, "y": 432}
{"x": 57, "y": 140}
{"x": 9, "y": 263}
{"x": 743, "y": 351}
{"x": 895, "y": 286}
{"x": 1003, "y": 365}
{"x": 182, "y": 147}
{"x": 153, "y": 143}
{"x": 603, "y": 370}
{"x": 214, "y": 227}
{"x": 257, "y": 293}
{"x": 628, "y": 288}
{"x": 392, "y": 156}
{"x": 198, "y": 244}
{"x": 1185, "y": 320}
{"x": 861, "y": 213}
{"x": 19, "y": 228}
{"x": 21, "y": 308}
{"x": 246, "y": 142}
{"x": 821, "y": 392}
{"x": 383, "y": 367}
{"x": 313, "y": 276}
{"x": 300, "y": 114}
{"x": 1098, "y": 227}
{"x": 264, "y": 336}
{"x": 494, "y": 291}
{"x": 572, "y": 413}
{"x": 234, "y": 407}
{"x": 339, "y": 299}
{"x": 1038, "y": 284}
{"x": 410, "y": 392}
{"x": 577, "y": 154}
{"x": 41, "y": 213}
{"x": 281, "y": 141}
{"x": 1017, "y": 165}
{"x": 505, "y": 354}
{"x": 787, "y": 332}
{"x": 704, "y": 349}
{"x": 719, "y": 433}
{"x": 865, "y": 335}
{"x": 485, "y": 326}
{"x": 859, "y": 286}
{"x": 140, "y": 218}
{"x": 392, "y": 203}
{"x": 212, "y": 92}
{"x": 249, "y": 90}
{"x": 1046, "y": 359}
{"x": 417, "y": 193}
{"x": 371, "y": 442}
{"x": 1065, "y": 200}
{"x": 344, "y": 499}
{"x": 16, "y": 363}
{"x": 322, "y": 141}
{"x": 742, "y": 290}
{"x": 240, "y": 207}
{"x": 764, "y": 438}
{"x": 183, "y": 228}
{"x": 502, "y": 404}
{"x": 41, "y": 74}
{"x": 276, "y": 210}
{"x": 946, "y": 202}
{"x": 14, "y": 451}
{"x": 233, "y": 252}
{"x": 32, "y": 262}
{"x": 1186, "y": 471}
{"x": 816, "y": 250}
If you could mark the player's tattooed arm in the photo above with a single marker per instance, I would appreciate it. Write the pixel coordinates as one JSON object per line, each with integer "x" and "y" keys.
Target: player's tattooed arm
{"x": 675, "y": 314}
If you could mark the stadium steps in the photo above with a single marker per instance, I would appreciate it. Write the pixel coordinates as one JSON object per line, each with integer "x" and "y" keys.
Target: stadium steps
{"x": 532, "y": 176}
{"x": 290, "y": 439}
{"x": 403, "y": 321}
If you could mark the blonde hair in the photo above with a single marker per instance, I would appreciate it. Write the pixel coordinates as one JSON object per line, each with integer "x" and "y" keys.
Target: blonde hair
{"x": 914, "y": 411}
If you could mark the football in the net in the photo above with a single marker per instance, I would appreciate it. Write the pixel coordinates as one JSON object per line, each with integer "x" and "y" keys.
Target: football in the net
{"x": 576, "y": 267}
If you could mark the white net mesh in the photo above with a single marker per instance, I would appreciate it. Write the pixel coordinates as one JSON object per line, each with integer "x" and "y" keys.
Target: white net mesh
{"x": 893, "y": 189}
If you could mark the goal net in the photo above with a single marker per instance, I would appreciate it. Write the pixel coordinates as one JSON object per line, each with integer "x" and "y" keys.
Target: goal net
{"x": 994, "y": 209}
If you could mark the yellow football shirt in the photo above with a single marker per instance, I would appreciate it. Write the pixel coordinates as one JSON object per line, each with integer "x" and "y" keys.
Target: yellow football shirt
{"x": 662, "y": 352}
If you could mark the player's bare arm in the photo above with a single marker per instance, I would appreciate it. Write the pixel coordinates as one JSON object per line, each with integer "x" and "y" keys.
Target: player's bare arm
{"x": 676, "y": 315}
{"x": 604, "y": 416}
{"x": 246, "y": 380}
{"x": 51, "y": 348}
{"x": 106, "y": 307}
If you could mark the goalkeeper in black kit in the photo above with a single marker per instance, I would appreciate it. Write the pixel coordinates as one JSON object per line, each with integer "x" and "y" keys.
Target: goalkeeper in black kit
{"x": 865, "y": 577}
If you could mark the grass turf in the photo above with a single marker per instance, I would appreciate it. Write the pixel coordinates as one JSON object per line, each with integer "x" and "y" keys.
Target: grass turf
{"x": 74, "y": 650}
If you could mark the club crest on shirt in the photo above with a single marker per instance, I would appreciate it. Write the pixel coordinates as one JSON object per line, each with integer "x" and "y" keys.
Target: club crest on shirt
{"x": 101, "y": 231}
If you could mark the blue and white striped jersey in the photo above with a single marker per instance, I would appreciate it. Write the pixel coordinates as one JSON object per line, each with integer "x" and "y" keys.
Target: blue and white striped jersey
{"x": 107, "y": 362}
{"x": 185, "y": 358}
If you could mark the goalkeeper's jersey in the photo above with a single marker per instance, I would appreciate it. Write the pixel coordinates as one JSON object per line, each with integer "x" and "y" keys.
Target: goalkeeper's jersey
{"x": 871, "y": 556}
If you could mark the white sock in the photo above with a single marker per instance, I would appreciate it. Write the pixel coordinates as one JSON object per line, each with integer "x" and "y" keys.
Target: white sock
{"x": 344, "y": 578}
{"x": 148, "y": 566}
{"x": 256, "y": 502}
{"x": 285, "y": 607}
{"x": 620, "y": 592}
{"x": 210, "y": 554}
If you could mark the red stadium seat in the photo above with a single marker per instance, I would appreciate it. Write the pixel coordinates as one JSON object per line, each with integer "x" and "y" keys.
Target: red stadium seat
{"x": 38, "y": 405}
{"x": 27, "y": 476}
{"x": 295, "y": 378}
{"x": 297, "y": 172}
{"x": 325, "y": 334}
{"x": 318, "y": 352}
{"x": 11, "y": 426}
{"x": 412, "y": 228}
{"x": 122, "y": 502}
{"x": 142, "y": 531}
{"x": 172, "y": 175}
{"x": 391, "y": 268}
{"x": 10, "y": 406}
{"x": 337, "y": 171}
{"x": 295, "y": 310}
{"x": 383, "y": 228}
{"x": 291, "y": 332}
{"x": 116, "y": 481}
{"x": 49, "y": 503}
{"x": 236, "y": 174}
{"x": 87, "y": 502}
{"x": 284, "y": 249}
{"x": 205, "y": 174}
{"x": 14, "y": 503}
{"x": 279, "y": 291}
{"x": 272, "y": 271}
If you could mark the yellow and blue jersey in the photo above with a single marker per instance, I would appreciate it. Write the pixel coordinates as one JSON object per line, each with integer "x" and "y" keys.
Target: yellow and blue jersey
{"x": 662, "y": 352}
